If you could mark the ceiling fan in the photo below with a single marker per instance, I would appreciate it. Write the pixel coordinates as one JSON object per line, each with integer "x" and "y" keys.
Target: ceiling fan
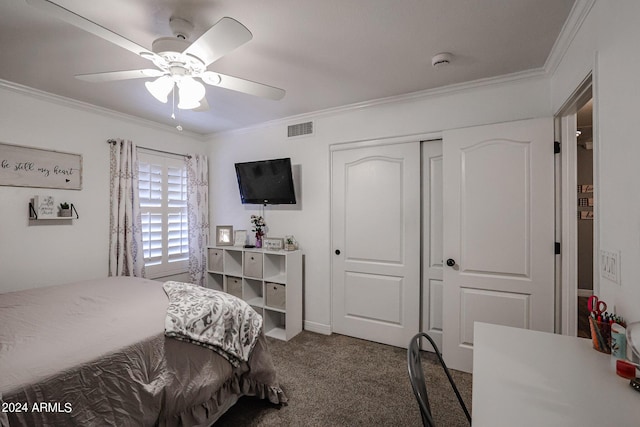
{"x": 179, "y": 63}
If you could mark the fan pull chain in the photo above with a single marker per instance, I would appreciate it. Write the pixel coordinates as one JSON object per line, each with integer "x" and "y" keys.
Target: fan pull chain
{"x": 173, "y": 107}
{"x": 173, "y": 103}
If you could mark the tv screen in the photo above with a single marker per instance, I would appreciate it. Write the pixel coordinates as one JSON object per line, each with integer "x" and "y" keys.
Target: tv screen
{"x": 266, "y": 182}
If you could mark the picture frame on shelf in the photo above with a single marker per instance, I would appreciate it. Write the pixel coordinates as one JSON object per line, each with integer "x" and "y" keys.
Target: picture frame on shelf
{"x": 45, "y": 206}
{"x": 273, "y": 243}
{"x": 240, "y": 238}
{"x": 224, "y": 235}
{"x": 290, "y": 243}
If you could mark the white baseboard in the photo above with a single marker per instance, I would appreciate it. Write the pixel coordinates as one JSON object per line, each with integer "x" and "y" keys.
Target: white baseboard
{"x": 585, "y": 292}
{"x": 317, "y": 327}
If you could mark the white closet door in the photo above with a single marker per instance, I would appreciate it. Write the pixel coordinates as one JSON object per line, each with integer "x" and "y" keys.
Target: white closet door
{"x": 375, "y": 223}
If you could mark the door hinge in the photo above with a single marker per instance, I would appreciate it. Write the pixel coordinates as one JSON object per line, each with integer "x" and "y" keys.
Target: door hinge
{"x": 557, "y": 248}
{"x": 556, "y": 147}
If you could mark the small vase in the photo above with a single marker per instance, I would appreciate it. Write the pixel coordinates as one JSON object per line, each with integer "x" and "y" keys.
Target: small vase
{"x": 258, "y": 241}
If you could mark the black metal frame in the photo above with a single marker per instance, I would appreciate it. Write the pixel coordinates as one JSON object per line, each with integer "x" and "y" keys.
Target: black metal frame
{"x": 416, "y": 376}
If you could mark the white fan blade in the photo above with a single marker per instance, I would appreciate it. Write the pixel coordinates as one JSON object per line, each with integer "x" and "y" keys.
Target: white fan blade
{"x": 119, "y": 75}
{"x": 242, "y": 85}
{"x": 223, "y": 37}
{"x": 89, "y": 26}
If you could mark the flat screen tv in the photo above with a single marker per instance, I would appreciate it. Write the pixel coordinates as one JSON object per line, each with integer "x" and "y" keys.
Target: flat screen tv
{"x": 266, "y": 182}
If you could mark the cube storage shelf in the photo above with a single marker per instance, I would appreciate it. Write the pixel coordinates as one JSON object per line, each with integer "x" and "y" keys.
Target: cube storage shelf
{"x": 269, "y": 281}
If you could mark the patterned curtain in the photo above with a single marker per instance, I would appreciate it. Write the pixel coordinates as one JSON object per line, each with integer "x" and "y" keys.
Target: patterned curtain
{"x": 126, "y": 257}
{"x": 198, "y": 217}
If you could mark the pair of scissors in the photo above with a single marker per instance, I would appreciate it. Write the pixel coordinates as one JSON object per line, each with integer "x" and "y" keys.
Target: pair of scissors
{"x": 595, "y": 305}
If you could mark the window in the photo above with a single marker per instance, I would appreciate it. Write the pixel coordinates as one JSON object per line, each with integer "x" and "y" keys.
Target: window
{"x": 163, "y": 205}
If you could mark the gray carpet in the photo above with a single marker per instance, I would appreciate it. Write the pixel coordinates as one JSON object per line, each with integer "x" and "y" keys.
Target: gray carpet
{"x": 342, "y": 381}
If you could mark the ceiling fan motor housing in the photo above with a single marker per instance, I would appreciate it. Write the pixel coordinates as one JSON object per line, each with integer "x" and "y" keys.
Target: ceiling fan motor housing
{"x": 170, "y": 49}
{"x": 181, "y": 28}
{"x": 169, "y": 44}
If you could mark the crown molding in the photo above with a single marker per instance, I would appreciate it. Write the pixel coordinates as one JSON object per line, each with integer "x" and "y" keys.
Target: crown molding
{"x": 577, "y": 16}
{"x": 85, "y": 106}
{"x": 396, "y": 99}
{"x": 572, "y": 25}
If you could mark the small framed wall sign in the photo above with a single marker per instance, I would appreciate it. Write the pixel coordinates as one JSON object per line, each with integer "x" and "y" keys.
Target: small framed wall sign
{"x": 45, "y": 206}
{"x": 240, "y": 238}
{"x": 273, "y": 243}
{"x": 224, "y": 235}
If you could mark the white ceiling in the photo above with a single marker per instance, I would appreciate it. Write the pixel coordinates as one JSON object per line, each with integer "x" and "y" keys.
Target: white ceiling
{"x": 324, "y": 53}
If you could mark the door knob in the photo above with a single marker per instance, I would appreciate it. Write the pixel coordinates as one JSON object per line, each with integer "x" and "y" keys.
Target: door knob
{"x": 451, "y": 262}
{"x": 337, "y": 251}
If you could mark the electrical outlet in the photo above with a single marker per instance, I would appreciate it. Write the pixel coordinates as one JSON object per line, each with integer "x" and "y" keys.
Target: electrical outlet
{"x": 610, "y": 265}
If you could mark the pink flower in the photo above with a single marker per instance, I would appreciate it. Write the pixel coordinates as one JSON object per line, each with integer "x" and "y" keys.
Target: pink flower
{"x": 258, "y": 224}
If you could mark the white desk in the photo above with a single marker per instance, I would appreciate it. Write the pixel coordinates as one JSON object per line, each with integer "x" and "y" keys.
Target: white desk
{"x": 530, "y": 378}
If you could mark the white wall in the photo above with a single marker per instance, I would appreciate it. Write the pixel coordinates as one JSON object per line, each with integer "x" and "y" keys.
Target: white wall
{"x": 607, "y": 43}
{"x": 32, "y": 256}
{"x": 40, "y": 255}
{"x": 518, "y": 99}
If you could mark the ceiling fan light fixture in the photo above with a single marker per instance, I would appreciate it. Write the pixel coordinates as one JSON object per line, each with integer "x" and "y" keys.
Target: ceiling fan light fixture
{"x": 190, "y": 93}
{"x": 160, "y": 88}
{"x": 188, "y": 104}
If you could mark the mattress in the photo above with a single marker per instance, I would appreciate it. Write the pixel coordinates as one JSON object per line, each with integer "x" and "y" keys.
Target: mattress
{"x": 95, "y": 353}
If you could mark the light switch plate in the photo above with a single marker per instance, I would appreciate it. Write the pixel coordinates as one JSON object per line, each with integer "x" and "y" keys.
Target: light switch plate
{"x": 610, "y": 265}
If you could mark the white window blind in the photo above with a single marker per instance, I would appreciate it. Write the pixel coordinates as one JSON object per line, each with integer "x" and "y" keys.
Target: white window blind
{"x": 163, "y": 205}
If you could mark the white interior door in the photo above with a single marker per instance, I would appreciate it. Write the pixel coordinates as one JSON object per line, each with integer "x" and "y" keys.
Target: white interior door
{"x": 432, "y": 234}
{"x": 375, "y": 236}
{"x": 499, "y": 231}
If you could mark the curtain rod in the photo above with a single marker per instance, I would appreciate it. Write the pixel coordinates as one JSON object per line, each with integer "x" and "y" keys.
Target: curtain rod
{"x": 188, "y": 156}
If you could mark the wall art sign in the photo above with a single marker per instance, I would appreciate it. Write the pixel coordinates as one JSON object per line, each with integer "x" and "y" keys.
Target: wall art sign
{"x": 36, "y": 167}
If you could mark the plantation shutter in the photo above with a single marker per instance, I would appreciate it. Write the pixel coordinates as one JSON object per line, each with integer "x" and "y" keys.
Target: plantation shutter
{"x": 163, "y": 205}
{"x": 178, "y": 233}
{"x": 150, "y": 185}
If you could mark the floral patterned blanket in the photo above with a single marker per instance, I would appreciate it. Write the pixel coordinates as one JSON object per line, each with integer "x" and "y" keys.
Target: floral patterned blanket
{"x": 213, "y": 319}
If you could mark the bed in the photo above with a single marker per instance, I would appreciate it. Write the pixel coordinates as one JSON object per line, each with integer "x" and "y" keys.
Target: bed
{"x": 95, "y": 353}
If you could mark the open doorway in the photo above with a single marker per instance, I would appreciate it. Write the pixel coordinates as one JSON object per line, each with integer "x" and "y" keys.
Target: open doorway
{"x": 585, "y": 216}
{"x": 576, "y": 213}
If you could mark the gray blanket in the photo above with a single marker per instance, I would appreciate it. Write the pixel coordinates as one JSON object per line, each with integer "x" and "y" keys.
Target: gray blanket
{"x": 213, "y": 319}
{"x": 94, "y": 353}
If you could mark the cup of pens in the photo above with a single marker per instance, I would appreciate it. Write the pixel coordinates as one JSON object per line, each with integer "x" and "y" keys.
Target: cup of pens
{"x": 600, "y": 322}
{"x": 600, "y": 335}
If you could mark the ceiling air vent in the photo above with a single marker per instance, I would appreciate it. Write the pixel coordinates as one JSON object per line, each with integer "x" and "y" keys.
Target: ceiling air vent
{"x": 300, "y": 129}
